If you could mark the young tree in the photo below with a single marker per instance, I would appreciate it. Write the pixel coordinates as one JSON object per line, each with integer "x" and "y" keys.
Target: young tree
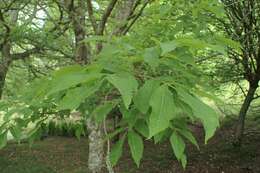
{"x": 237, "y": 21}
{"x": 126, "y": 13}
{"x": 153, "y": 86}
{"x": 243, "y": 26}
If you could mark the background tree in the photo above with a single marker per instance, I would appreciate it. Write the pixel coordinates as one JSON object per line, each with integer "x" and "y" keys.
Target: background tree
{"x": 242, "y": 25}
{"x": 26, "y": 32}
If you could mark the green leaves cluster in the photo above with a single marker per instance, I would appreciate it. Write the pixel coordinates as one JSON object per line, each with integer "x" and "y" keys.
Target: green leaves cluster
{"x": 155, "y": 92}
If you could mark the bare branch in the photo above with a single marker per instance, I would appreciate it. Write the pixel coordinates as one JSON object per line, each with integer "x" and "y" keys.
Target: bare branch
{"x": 137, "y": 3}
{"x": 91, "y": 16}
{"x": 105, "y": 16}
{"x": 241, "y": 88}
{"x": 25, "y": 54}
{"x": 256, "y": 97}
{"x": 201, "y": 60}
{"x": 136, "y": 17}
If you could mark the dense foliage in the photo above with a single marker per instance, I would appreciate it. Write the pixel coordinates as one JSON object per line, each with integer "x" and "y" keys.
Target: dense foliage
{"x": 149, "y": 64}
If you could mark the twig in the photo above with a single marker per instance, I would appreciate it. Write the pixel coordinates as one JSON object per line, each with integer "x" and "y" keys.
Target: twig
{"x": 241, "y": 88}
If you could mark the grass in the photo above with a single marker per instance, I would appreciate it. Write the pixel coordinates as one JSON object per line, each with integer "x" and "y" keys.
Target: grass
{"x": 25, "y": 165}
{"x": 69, "y": 155}
{"x": 53, "y": 155}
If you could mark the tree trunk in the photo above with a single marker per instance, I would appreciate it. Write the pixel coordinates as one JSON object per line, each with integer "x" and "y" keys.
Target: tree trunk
{"x": 4, "y": 65}
{"x": 95, "y": 131}
{"x": 77, "y": 15}
{"x": 96, "y": 147}
{"x": 242, "y": 114}
{"x": 6, "y": 52}
{"x": 3, "y": 72}
{"x": 82, "y": 54}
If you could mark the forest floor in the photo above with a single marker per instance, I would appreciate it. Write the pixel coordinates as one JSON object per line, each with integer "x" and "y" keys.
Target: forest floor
{"x": 68, "y": 155}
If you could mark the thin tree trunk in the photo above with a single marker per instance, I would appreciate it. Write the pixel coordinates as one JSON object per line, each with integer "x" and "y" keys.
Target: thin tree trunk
{"x": 6, "y": 52}
{"x": 4, "y": 65}
{"x": 96, "y": 147}
{"x": 3, "y": 71}
{"x": 82, "y": 54}
{"x": 96, "y": 136}
{"x": 242, "y": 114}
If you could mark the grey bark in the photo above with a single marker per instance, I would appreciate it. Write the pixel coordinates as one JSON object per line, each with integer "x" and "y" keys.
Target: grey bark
{"x": 96, "y": 147}
{"x": 82, "y": 56}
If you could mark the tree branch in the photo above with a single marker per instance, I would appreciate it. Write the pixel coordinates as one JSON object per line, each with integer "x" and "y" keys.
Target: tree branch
{"x": 105, "y": 16}
{"x": 2, "y": 20}
{"x": 91, "y": 16}
{"x": 241, "y": 88}
{"x": 25, "y": 54}
{"x": 136, "y": 17}
{"x": 137, "y": 3}
{"x": 256, "y": 97}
